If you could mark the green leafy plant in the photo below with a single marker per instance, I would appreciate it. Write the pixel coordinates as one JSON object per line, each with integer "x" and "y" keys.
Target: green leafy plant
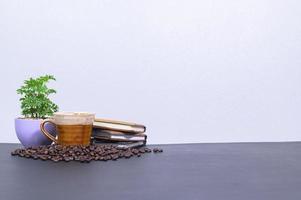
{"x": 35, "y": 102}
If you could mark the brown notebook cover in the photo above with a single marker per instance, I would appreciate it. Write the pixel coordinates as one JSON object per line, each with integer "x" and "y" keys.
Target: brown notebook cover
{"x": 121, "y": 126}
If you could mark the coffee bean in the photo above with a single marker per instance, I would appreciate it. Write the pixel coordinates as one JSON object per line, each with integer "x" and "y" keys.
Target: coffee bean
{"x": 55, "y": 159}
{"x": 135, "y": 151}
{"x": 127, "y": 154}
{"x": 76, "y": 158}
{"x": 147, "y": 150}
{"x": 155, "y": 150}
{"x": 43, "y": 157}
{"x": 82, "y": 159}
{"x": 67, "y": 159}
{"x": 108, "y": 157}
{"x": 58, "y": 153}
{"x": 35, "y": 157}
{"x": 142, "y": 150}
{"x": 115, "y": 156}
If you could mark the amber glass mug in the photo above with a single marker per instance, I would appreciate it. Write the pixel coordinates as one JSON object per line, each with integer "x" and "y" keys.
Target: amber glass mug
{"x": 73, "y": 128}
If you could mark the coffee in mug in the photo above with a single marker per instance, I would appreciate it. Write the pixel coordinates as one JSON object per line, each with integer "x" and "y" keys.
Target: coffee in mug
{"x": 73, "y": 128}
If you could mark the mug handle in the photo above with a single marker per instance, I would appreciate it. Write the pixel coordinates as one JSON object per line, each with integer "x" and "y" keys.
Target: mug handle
{"x": 45, "y": 132}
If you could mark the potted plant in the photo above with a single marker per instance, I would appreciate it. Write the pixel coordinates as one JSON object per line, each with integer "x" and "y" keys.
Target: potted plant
{"x": 35, "y": 106}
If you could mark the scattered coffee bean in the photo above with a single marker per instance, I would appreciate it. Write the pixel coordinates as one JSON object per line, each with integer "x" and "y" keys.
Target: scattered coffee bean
{"x": 147, "y": 150}
{"x": 142, "y": 150}
{"x": 83, "y": 154}
{"x": 44, "y": 158}
{"x": 35, "y": 157}
{"x": 127, "y": 154}
{"x": 55, "y": 159}
{"x": 135, "y": 151}
{"x": 114, "y": 156}
{"x": 157, "y": 150}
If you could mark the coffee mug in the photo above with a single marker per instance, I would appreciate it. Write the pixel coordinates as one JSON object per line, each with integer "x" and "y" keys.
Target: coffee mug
{"x": 73, "y": 128}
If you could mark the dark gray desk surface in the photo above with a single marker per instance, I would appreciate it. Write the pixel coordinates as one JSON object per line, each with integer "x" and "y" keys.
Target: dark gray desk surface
{"x": 238, "y": 171}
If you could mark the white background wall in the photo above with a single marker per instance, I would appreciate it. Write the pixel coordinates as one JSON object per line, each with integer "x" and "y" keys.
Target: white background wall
{"x": 192, "y": 71}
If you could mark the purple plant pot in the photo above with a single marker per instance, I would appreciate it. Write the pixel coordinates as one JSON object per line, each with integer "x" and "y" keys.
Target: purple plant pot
{"x": 29, "y": 133}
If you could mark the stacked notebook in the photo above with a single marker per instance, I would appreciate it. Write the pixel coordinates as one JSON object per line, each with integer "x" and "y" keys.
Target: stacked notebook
{"x": 120, "y": 133}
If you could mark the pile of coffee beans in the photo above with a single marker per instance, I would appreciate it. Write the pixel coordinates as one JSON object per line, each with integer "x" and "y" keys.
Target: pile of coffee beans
{"x": 103, "y": 152}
